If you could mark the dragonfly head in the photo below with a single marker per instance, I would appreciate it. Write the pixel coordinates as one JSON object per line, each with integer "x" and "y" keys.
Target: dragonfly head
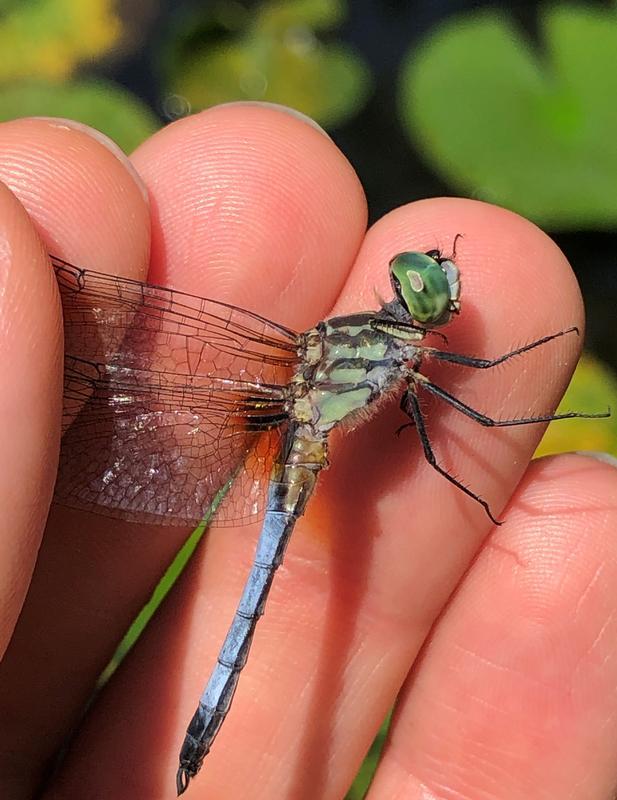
{"x": 427, "y": 286}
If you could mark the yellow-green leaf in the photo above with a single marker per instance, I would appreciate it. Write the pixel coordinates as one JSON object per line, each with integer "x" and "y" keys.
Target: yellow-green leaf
{"x": 101, "y": 104}
{"x": 48, "y": 38}
{"x": 275, "y": 56}
{"x": 529, "y": 126}
{"x": 593, "y": 388}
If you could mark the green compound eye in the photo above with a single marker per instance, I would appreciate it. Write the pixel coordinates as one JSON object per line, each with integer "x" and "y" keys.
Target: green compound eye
{"x": 427, "y": 286}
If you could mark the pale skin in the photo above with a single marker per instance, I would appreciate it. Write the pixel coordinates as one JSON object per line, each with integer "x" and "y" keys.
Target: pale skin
{"x": 514, "y": 695}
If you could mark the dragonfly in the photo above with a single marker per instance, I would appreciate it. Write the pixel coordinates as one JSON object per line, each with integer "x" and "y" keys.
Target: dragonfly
{"x": 175, "y": 404}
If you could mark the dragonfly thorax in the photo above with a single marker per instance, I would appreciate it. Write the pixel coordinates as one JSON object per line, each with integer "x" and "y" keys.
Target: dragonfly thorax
{"x": 353, "y": 365}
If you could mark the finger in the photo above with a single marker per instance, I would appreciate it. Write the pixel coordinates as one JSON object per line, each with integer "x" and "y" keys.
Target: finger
{"x": 85, "y": 200}
{"x": 253, "y": 206}
{"x": 86, "y": 207}
{"x": 30, "y": 396}
{"x": 514, "y": 696}
{"x": 382, "y": 546}
{"x": 112, "y": 567}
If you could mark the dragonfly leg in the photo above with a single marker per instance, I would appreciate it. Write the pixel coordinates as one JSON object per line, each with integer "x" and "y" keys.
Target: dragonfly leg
{"x": 487, "y": 363}
{"x": 411, "y": 407}
{"x": 403, "y": 405}
{"x": 489, "y": 422}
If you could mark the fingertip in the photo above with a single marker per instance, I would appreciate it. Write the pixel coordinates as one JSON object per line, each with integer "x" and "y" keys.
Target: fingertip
{"x": 30, "y": 400}
{"x": 249, "y": 201}
{"x": 80, "y": 191}
{"x": 280, "y": 108}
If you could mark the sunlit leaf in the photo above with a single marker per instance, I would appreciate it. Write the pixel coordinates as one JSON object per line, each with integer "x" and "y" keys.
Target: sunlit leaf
{"x": 593, "y": 388}
{"x": 275, "y": 56}
{"x": 528, "y": 127}
{"x": 47, "y": 38}
{"x": 319, "y": 14}
{"x": 101, "y": 104}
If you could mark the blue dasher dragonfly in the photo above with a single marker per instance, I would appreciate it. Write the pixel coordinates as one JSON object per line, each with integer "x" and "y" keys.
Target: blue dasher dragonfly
{"x": 173, "y": 403}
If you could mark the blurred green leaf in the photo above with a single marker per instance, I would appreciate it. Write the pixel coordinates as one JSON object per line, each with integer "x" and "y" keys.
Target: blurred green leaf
{"x": 164, "y": 586}
{"x": 593, "y": 387}
{"x": 143, "y": 619}
{"x": 365, "y": 775}
{"x": 274, "y": 56}
{"x": 318, "y": 14}
{"x": 533, "y": 130}
{"x": 101, "y": 104}
{"x": 48, "y": 38}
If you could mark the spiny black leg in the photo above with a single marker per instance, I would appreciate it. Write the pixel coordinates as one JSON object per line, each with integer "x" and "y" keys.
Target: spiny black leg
{"x": 487, "y": 363}
{"x": 410, "y": 406}
{"x": 499, "y": 423}
{"x": 405, "y": 410}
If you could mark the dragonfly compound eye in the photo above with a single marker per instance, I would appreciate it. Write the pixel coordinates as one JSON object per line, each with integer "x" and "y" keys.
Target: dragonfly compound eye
{"x": 427, "y": 286}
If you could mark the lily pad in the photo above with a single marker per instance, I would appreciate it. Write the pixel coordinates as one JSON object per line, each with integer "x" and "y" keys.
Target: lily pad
{"x": 101, "y": 104}
{"x": 531, "y": 128}
{"x": 274, "y": 55}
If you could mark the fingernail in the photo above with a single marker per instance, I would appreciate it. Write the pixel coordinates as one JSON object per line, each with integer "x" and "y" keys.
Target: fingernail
{"x": 292, "y": 112}
{"x": 118, "y": 152}
{"x": 605, "y": 458}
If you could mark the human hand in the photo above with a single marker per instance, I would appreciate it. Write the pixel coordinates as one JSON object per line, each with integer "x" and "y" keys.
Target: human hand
{"x": 513, "y": 695}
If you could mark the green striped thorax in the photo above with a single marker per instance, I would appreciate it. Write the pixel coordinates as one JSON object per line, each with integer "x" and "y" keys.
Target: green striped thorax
{"x": 427, "y": 286}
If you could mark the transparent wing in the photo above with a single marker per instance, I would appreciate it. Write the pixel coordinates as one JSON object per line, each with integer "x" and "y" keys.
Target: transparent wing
{"x": 167, "y": 396}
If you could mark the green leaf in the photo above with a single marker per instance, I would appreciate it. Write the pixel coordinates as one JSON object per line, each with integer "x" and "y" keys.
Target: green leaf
{"x": 369, "y": 766}
{"x": 318, "y": 14}
{"x": 276, "y": 57}
{"x": 593, "y": 388}
{"x": 529, "y": 129}
{"x": 47, "y": 38}
{"x": 163, "y": 587}
{"x": 101, "y": 104}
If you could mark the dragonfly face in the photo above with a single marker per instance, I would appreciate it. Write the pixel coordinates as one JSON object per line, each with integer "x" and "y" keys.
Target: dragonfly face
{"x": 427, "y": 286}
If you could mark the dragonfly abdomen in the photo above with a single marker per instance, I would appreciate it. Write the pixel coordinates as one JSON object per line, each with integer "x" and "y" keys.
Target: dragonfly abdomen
{"x": 290, "y": 488}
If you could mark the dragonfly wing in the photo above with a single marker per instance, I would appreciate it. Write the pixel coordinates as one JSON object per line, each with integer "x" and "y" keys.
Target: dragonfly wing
{"x": 167, "y": 398}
